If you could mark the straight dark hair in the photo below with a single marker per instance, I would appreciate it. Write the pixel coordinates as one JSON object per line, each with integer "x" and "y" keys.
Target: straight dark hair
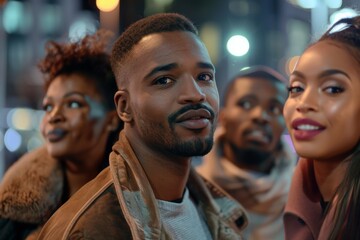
{"x": 346, "y": 201}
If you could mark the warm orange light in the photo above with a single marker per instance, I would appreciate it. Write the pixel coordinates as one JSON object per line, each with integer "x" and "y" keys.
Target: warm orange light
{"x": 107, "y": 5}
{"x": 2, "y": 2}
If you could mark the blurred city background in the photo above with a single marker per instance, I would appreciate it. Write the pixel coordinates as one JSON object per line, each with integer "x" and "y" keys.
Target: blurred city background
{"x": 238, "y": 33}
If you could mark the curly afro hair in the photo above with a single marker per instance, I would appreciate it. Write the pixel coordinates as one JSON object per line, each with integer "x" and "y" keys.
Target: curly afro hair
{"x": 87, "y": 57}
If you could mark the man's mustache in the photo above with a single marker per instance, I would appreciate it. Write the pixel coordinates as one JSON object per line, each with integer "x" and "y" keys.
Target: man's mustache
{"x": 172, "y": 118}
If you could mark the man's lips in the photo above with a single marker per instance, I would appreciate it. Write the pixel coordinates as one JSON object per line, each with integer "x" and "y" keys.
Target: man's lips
{"x": 258, "y": 135}
{"x": 56, "y": 135}
{"x": 306, "y": 129}
{"x": 195, "y": 119}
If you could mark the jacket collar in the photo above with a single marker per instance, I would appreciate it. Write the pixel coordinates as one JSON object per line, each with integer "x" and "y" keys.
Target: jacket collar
{"x": 139, "y": 204}
{"x": 304, "y": 196}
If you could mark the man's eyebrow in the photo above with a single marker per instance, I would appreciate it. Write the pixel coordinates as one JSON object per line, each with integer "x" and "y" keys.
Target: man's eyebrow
{"x": 170, "y": 66}
{"x": 161, "y": 68}
{"x": 206, "y": 65}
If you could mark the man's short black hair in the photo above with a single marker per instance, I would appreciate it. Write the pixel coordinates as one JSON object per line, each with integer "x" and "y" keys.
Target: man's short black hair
{"x": 254, "y": 72}
{"x": 162, "y": 22}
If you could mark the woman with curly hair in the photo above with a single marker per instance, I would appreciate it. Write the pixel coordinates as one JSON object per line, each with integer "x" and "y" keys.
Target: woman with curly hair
{"x": 322, "y": 114}
{"x": 79, "y": 127}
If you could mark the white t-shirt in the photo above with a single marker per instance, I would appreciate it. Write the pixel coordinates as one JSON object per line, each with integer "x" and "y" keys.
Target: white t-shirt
{"x": 183, "y": 220}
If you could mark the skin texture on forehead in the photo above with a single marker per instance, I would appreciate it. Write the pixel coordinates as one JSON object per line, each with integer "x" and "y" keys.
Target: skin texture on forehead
{"x": 257, "y": 85}
{"x": 159, "y": 56}
{"x": 350, "y": 62}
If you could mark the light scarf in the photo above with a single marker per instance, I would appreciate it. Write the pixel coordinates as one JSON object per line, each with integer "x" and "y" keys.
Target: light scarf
{"x": 262, "y": 195}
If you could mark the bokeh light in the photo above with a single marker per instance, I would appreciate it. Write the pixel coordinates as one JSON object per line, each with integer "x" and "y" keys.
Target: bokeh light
{"x": 12, "y": 140}
{"x": 107, "y": 5}
{"x": 238, "y": 45}
{"x": 16, "y": 18}
{"x": 82, "y": 26}
{"x": 20, "y": 119}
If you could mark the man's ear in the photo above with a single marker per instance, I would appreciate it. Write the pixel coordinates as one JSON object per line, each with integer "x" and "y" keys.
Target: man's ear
{"x": 123, "y": 108}
{"x": 114, "y": 121}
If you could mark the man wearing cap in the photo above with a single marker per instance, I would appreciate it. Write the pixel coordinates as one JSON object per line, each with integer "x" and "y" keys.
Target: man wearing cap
{"x": 251, "y": 159}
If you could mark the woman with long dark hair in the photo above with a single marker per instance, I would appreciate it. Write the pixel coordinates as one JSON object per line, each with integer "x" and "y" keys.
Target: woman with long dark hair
{"x": 322, "y": 114}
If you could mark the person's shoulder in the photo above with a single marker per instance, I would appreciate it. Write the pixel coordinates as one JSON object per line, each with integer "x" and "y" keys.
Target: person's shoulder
{"x": 34, "y": 163}
{"x": 31, "y": 187}
{"x": 93, "y": 210}
{"x": 38, "y": 156}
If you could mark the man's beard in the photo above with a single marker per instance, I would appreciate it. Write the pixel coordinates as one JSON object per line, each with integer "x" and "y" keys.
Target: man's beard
{"x": 196, "y": 147}
{"x": 250, "y": 156}
{"x": 166, "y": 139}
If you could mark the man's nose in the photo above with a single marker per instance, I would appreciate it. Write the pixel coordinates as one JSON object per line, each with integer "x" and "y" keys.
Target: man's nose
{"x": 260, "y": 115}
{"x": 191, "y": 91}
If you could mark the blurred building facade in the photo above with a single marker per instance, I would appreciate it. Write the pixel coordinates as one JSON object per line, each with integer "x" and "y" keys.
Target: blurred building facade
{"x": 277, "y": 31}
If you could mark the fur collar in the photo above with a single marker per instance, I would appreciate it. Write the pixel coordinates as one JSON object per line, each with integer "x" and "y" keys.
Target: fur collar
{"x": 31, "y": 188}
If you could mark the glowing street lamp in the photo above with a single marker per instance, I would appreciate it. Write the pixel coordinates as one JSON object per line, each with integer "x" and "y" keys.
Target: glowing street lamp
{"x": 238, "y": 45}
{"x": 107, "y": 5}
